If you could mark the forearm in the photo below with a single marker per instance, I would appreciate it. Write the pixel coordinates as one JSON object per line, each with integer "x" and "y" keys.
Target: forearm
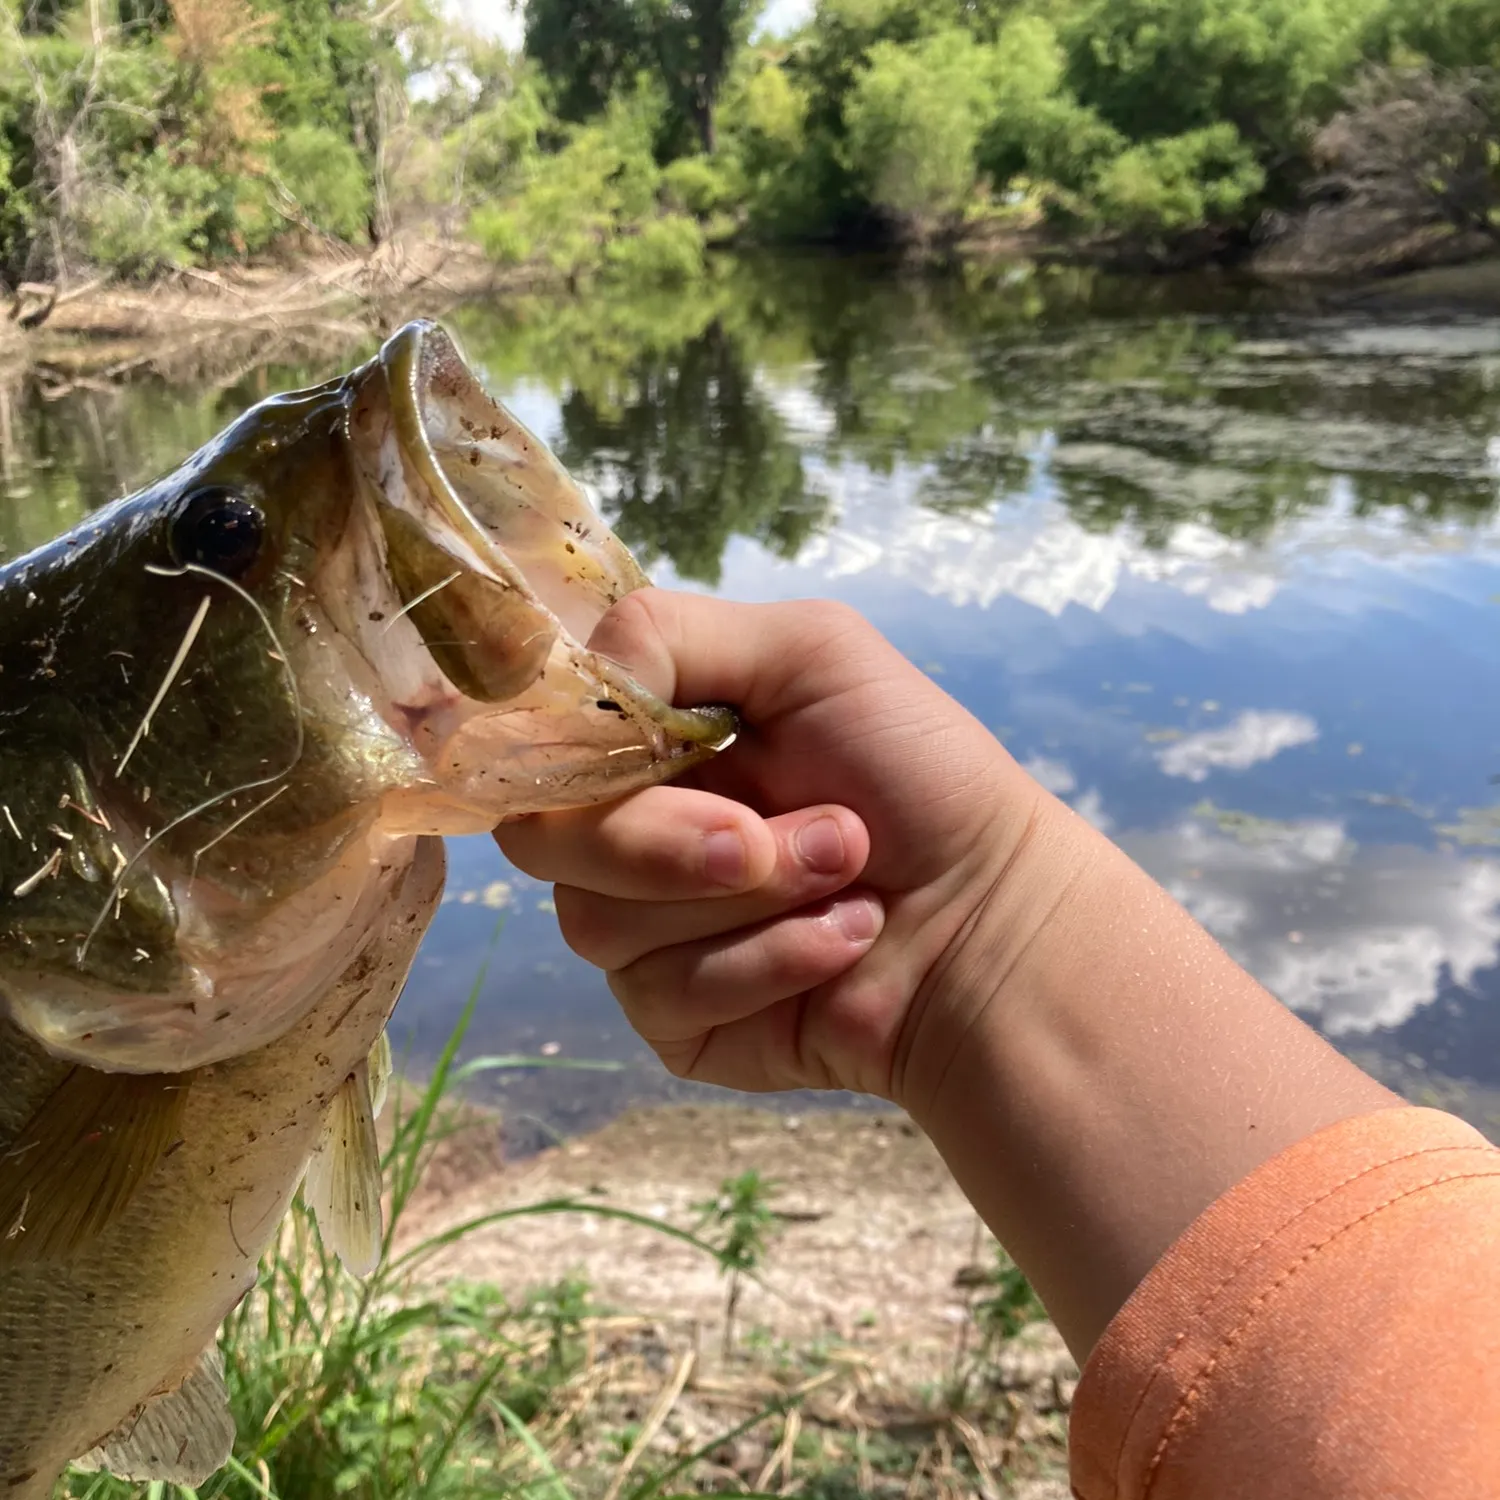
{"x": 1109, "y": 1071}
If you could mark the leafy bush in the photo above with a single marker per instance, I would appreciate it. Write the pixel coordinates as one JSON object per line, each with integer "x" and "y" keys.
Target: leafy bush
{"x": 914, "y": 121}
{"x": 157, "y": 220}
{"x": 1179, "y": 183}
{"x": 665, "y": 252}
{"x": 1162, "y": 68}
{"x": 604, "y": 178}
{"x": 324, "y": 174}
{"x": 1036, "y": 125}
{"x": 700, "y": 185}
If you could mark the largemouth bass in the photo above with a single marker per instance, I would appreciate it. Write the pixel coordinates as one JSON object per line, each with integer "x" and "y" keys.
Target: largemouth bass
{"x": 237, "y": 712}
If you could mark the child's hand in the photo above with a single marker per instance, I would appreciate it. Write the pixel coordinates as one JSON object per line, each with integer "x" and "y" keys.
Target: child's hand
{"x": 867, "y": 892}
{"x": 770, "y": 924}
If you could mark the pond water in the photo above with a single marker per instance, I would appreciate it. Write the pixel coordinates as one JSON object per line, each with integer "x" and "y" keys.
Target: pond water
{"x": 1221, "y": 564}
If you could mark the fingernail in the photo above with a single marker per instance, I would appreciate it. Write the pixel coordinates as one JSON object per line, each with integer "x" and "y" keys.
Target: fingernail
{"x": 724, "y": 859}
{"x": 859, "y": 920}
{"x": 820, "y": 846}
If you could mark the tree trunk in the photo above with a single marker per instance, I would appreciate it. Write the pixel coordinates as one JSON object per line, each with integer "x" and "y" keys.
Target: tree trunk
{"x": 703, "y": 119}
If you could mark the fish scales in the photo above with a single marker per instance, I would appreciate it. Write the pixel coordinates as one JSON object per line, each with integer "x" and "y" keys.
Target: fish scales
{"x": 248, "y": 1127}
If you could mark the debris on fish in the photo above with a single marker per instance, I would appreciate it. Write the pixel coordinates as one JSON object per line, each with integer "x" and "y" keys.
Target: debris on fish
{"x": 238, "y": 710}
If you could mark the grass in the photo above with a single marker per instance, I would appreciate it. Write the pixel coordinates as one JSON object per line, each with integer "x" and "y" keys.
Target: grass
{"x": 400, "y": 1386}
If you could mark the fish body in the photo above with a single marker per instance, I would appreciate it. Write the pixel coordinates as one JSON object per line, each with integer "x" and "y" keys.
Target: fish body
{"x": 237, "y": 711}
{"x": 92, "y": 1337}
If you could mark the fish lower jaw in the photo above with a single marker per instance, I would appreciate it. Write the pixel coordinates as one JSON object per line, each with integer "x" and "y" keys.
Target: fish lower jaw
{"x": 429, "y": 811}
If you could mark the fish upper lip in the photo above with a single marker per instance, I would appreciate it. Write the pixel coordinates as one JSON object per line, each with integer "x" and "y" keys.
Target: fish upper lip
{"x": 427, "y": 381}
{"x": 475, "y": 572}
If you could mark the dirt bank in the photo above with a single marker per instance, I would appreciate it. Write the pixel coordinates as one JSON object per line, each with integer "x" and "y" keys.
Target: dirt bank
{"x": 102, "y": 332}
{"x": 862, "y": 1309}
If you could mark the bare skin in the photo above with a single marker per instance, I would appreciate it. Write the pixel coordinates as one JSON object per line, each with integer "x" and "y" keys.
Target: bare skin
{"x": 867, "y": 892}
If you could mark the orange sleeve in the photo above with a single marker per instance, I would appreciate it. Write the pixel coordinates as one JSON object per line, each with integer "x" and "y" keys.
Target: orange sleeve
{"x": 1329, "y": 1328}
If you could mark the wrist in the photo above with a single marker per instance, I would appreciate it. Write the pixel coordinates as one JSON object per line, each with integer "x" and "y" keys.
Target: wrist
{"x": 1013, "y": 907}
{"x": 1096, "y": 1070}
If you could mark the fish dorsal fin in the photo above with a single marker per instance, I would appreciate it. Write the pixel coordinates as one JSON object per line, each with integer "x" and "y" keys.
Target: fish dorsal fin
{"x": 181, "y": 1437}
{"x": 342, "y": 1186}
{"x": 74, "y": 1167}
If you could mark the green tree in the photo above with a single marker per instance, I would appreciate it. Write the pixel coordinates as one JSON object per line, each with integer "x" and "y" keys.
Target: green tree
{"x": 1183, "y": 182}
{"x": 587, "y": 48}
{"x": 1157, "y": 68}
{"x": 593, "y": 49}
{"x": 1036, "y": 124}
{"x": 914, "y": 120}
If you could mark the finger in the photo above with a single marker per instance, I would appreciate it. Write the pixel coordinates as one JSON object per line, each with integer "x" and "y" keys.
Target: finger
{"x": 673, "y": 994}
{"x": 667, "y": 843}
{"x": 837, "y": 1035}
{"x": 761, "y": 658}
{"x": 819, "y": 851}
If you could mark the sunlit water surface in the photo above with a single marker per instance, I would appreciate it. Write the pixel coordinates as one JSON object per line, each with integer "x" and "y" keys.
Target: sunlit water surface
{"x": 1222, "y": 567}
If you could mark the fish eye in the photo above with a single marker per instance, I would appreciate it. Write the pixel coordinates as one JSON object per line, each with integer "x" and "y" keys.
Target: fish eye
{"x": 220, "y": 529}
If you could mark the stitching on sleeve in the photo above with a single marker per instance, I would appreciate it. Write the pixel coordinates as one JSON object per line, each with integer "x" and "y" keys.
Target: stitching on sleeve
{"x": 1239, "y": 1265}
{"x": 1258, "y": 1304}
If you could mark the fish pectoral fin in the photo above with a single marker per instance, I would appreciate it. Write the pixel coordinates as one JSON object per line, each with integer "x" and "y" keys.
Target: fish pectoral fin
{"x": 381, "y": 1068}
{"x": 181, "y": 1437}
{"x": 74, "y": 1167}
{"x": 342, "y": 1185}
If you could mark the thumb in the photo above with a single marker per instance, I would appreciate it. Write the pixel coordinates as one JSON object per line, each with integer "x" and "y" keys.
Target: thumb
{"x": 764, "y": 660}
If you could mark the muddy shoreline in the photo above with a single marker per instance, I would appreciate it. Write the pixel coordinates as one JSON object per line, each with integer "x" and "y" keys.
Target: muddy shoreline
{"x": 99, "y": 333}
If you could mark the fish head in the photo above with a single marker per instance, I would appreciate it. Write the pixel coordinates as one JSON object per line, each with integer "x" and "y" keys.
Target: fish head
{"x": 357, "y": 617}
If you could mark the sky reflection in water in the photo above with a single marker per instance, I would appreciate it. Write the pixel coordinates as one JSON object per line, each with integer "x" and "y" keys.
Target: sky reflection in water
{"x": 1225, "y": 575}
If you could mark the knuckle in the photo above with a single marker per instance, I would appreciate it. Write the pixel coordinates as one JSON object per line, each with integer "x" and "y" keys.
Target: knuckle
{"x": 834, "y": 615}
{"x": 660, "y": 858}
{"x": 630, "y": 631}
{"x": 678, "y": 1059}
{"x": 646, "y": 998}
{"x": 518, "y": 842}
{"x": 832, "y": 622}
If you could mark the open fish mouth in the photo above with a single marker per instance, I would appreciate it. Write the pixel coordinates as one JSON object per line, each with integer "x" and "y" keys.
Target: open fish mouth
{"x": 414, "y": 663}
{"x": 474, "y": 573}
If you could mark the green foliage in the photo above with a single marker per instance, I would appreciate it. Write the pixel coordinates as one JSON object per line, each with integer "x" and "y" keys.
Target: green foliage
{"x": 1001, "y": 1305}
{"x": 1184, "y": 182}
{"x": 1008, "y": 1304}
{"x": 914, "y": 120}
{"x": 1149, "y": 120}
{"x": 700, "y": 185}
{"x": 664, "y": 252}
{"x": 1036, "y": 126}
{"x": 574, "y": 202}
{"x": 1448, "y": 33}
{"x": 591, "y": 51}
{"x": 156, "y": 220}
{"x": 738, "y": 1222}
{"x": 1155, "y": 68}
{"x": 322, "y": 172}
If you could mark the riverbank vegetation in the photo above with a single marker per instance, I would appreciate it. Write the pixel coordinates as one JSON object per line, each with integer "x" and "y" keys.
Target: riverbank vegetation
{"x": 145, "y": 137}
{"x": 451, "y": 1374}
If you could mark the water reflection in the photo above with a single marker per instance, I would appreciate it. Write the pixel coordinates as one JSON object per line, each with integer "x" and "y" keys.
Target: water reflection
{"x": 687, "y": 452}
{"x": 1222, "y": 567}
